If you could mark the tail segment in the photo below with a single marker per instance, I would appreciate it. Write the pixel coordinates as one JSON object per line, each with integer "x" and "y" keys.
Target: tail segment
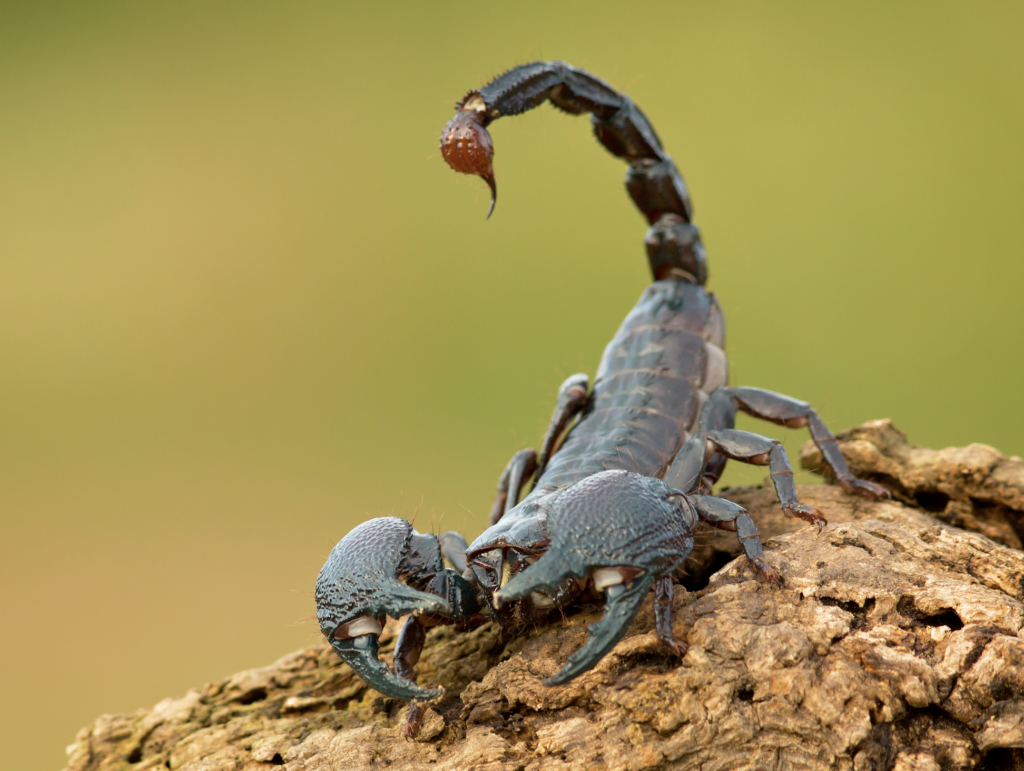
{"x": 673, "y": 243}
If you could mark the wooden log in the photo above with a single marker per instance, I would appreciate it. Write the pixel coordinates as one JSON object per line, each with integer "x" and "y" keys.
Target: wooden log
{"x": 896, "y": 642}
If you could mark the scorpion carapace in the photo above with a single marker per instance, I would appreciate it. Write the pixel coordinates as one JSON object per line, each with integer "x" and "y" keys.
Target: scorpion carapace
{"x": 616, "y": 494}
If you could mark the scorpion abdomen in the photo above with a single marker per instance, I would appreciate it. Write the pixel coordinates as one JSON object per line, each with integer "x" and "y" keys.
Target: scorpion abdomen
{"x": 655, "y": 375}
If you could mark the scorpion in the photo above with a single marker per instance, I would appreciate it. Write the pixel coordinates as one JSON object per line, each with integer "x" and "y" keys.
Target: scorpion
{"x": 627, "y": 465}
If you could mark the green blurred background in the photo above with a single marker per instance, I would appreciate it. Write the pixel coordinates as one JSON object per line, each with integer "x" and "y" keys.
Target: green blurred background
{"x": 245, "y": 305}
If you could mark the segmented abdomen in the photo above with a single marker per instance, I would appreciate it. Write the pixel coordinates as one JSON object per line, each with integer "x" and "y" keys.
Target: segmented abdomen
{"x": 655, "y": 374}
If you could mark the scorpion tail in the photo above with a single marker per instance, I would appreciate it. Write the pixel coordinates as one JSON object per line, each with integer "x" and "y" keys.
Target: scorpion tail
{"x": 653, "y": 181}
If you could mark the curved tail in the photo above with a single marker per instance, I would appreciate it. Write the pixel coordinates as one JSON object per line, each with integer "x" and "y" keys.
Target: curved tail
{"x": 653, "y": 181}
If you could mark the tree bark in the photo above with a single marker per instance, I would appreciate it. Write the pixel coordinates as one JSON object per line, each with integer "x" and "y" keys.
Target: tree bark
{"x": 896, "y": 642}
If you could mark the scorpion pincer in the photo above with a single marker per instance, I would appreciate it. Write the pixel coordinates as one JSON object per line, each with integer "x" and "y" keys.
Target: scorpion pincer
{"x": 615, "y": 498}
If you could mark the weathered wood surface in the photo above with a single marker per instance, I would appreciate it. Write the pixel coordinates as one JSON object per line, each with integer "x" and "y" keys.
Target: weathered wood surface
{"x": 897, "y": 641}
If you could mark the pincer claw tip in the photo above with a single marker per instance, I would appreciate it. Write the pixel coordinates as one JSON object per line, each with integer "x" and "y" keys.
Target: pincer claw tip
{"x": 362, "y": 654}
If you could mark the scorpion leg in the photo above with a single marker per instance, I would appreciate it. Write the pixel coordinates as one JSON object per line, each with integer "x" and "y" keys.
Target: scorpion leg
{"x": 516, "y": 474}
{"x": 693, "y": 469}
{"x": 572, "y": 398}
{"x": 715, "y": 440}
{"x": 620, "y": 530}
{"x": 696, "y": 469}
{"x": 726, "y": 515}
{"x": 453, "y": 549}
{"x": 786, "y": 411}
{"x": 663, "y": 591}
{"x": 762, "y": 451}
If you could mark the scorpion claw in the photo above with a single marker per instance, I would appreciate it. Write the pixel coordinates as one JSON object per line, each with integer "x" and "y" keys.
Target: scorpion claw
{"x": 621, "y": 530}
{"x": 361, "y": 653}
{"x": 367, "y": 577}
{"x": 623, "y": 602}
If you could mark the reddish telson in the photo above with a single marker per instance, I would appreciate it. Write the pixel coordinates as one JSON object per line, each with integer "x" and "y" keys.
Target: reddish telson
{"x": 466, "y": 147}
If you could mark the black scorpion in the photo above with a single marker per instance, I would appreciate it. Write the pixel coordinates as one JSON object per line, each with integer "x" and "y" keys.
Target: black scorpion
{"x": 613, "y": 507}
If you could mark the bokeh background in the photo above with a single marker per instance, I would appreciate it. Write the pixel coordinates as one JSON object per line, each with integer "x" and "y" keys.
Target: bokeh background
{"x": 244, "y": 305}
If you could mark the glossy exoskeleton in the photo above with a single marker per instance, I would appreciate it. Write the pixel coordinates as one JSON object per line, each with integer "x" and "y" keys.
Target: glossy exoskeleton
{"x": 616, "y": 497}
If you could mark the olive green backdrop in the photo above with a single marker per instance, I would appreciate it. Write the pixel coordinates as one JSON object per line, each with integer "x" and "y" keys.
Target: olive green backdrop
{"x": 244, "y": 304}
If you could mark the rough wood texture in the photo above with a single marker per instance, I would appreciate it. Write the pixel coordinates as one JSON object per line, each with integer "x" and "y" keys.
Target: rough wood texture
{"x": 974, "y": 487}
{"x": 896, "y": 642}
